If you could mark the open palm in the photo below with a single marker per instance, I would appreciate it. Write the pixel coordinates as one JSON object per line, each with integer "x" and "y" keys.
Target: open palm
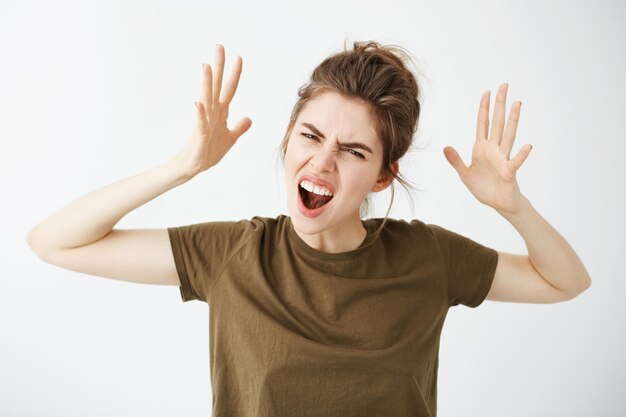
{"x": 491, "y": 175}
{"x": 211, "y": 138}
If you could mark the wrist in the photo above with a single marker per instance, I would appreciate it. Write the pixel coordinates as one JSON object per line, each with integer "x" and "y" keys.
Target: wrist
{"x": 177, "y": 171}
{"x": 519, "y": 209}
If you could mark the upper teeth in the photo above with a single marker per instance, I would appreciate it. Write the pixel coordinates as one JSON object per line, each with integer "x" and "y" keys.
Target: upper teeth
{"x": 309, "y": 186}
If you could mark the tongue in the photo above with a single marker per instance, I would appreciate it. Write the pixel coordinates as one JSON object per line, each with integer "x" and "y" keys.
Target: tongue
{"x": 319, "y": 200}
{"x": 314, "y": 201}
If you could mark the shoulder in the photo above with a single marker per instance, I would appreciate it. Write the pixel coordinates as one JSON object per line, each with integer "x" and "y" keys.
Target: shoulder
{"x": 268, "y": 228}
{"x": 408, "y": 245}
{"x": 220, "y": 229}
{"x": 393, "y": 226}
{"x": 401, "y": 230}
{"x": 267, "y": 224}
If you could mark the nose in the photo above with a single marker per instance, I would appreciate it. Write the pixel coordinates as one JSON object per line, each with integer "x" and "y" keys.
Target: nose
{"x": 323, "y": 160}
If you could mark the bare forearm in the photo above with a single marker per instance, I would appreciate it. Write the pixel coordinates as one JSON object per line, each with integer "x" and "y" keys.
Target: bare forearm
{"x": 551, "y": 255}
{"x": 93, "y": 215}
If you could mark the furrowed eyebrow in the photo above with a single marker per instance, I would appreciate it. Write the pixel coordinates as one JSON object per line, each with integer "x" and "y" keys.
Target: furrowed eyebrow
{"x": 350, "y": 145}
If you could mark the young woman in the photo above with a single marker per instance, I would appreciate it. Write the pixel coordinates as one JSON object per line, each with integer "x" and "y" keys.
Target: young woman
{"x": 323, "y": 312}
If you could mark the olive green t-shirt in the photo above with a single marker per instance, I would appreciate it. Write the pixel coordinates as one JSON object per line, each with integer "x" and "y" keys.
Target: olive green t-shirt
{"x": 294, "y": 331}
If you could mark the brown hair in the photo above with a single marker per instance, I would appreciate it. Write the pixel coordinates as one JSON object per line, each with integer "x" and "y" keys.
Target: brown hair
{"x": 377, "y": 75}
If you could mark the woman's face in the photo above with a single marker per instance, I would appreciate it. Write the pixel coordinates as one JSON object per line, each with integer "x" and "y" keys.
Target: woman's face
{"x": 333, "y": 144}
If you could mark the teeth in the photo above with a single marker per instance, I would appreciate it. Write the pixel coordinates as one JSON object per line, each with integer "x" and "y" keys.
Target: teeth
{"x": 312, "y": 188}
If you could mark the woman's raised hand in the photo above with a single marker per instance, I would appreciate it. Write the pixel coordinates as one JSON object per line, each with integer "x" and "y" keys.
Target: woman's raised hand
{"x": 211, "y": 138}
{"x": 491, "y": 175}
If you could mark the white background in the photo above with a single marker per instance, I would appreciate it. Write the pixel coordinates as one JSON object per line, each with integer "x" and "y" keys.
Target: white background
{"x": 91, "y": 93}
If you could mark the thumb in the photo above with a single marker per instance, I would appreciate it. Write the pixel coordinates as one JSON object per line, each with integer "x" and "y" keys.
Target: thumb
{"x": 241, "y": 127}
{"x": 455, "y": 160}
{"x": 521, "y": 156}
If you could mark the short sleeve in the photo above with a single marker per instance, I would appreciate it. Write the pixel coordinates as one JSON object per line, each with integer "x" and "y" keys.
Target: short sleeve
{"x": 471, "y": 266}
{"x": 202, "y": 251}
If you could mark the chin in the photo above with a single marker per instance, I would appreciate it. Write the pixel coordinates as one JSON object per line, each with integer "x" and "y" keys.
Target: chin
{"x": 307, "y": 226}
{"x": 303, "y": 224}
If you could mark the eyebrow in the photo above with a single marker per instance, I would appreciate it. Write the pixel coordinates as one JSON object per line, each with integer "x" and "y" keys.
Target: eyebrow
{"x": 350, "y": 145}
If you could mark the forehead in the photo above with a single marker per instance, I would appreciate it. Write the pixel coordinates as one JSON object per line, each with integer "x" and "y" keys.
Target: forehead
{"x": 336, "y": 115}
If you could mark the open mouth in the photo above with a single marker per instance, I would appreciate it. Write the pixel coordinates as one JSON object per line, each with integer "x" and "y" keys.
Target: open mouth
{"x": 313, "y": 201}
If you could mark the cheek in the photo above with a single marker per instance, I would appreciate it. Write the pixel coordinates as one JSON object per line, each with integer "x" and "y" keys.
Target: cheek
{"x": 360, "y": 181}
{"x": 288, "y": 155}
{"x": 295, "y": 156}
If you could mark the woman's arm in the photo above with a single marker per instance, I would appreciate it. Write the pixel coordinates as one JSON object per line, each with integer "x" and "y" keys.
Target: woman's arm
{"x": 81, "y": 237}
{"x": 552, "y": 271}
{"x": 92, "y": 216}
{"x": 550, "y": 257}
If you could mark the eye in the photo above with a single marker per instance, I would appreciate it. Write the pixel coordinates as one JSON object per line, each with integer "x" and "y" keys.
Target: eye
{"x": 315, "y": 138}
{"x": 309, "y": 136}
{"x": 357, "y": 154}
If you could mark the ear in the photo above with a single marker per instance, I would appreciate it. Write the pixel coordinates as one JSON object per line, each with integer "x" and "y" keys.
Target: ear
{"x": 384, "y": 182}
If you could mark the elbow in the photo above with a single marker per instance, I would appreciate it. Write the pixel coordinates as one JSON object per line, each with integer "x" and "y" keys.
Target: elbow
{"x": 587, "y": 284}
{"x": 584, "y": 285}
{"x": 34, "y": 242}
{"x": 31, "y": 239}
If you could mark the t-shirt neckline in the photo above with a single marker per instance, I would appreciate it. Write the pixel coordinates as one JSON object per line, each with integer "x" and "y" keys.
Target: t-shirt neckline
{"x": 314, "y": 253}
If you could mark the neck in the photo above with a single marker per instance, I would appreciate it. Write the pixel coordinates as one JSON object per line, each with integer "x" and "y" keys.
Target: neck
{"x": 341, "y": 238}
